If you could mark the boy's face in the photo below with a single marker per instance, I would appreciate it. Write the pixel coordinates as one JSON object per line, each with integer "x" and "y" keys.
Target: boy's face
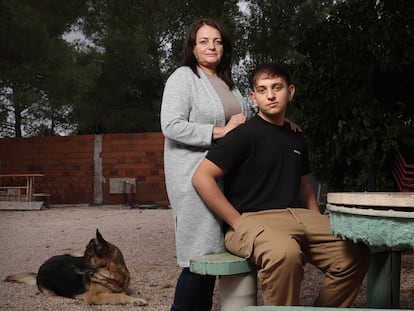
{"x": 272, "y": 95}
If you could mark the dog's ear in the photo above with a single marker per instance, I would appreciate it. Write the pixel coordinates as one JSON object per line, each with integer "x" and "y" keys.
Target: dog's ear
{"x": 98, "y": 235}
{"x": 99, "y": 241}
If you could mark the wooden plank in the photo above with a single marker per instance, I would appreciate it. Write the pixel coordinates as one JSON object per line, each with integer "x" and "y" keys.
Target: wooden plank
{"x": 23, "y": 175}
{"x": 20, "y": 206}
{"x": 13, "y": 187}
{"x": 41, "y": 195}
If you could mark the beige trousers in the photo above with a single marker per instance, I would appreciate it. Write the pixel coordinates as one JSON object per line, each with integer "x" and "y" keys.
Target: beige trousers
{"x": 280, "y": 242}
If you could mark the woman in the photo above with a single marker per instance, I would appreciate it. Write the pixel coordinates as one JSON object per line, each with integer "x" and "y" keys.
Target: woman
{"x": 200, "y": 104}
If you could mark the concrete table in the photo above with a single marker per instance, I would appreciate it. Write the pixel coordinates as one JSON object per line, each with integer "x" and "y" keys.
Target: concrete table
{"x": 385, "y": 222}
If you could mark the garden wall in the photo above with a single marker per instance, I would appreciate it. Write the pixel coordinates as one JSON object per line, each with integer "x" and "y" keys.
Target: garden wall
{"x": 90, "y": 169}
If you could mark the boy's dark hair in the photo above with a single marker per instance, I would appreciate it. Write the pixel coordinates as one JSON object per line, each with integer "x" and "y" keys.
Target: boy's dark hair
{"x": 270, "y": 71}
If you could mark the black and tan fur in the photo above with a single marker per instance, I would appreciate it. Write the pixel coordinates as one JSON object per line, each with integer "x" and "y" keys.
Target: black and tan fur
{"x": 100, "y": 273}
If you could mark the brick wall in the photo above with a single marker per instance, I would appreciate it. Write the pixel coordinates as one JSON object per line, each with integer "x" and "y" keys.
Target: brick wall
{"x": 77, "y": 168}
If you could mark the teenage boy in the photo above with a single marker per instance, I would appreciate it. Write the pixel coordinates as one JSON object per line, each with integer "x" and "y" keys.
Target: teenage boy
{"x": 269, "y": 205}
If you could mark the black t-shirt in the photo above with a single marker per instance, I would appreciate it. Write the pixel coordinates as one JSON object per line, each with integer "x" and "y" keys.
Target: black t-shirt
{"x": 263, "y": 164}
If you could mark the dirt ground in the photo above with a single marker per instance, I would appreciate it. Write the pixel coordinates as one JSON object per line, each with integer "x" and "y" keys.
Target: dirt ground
{"x": 146, "y": 238}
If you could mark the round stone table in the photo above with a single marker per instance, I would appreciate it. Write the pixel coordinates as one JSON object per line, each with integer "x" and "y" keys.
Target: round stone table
{"x": 385, "y": 222}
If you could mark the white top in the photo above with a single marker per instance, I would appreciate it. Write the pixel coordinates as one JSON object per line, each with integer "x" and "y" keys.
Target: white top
{"x": 190, "y": 109}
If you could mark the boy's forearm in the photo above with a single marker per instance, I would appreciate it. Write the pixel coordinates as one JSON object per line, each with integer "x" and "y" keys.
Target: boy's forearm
{"x": 216, "y": 201}
{"x": 212, "y": 195}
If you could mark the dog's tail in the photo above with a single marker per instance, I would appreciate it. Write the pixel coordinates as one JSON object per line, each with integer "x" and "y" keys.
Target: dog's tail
{"x": 25, "y": 278}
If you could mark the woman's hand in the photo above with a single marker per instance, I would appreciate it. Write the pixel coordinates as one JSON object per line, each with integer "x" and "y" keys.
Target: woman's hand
{"x": 293, "y": 126}
{"x": 235, "y": 121}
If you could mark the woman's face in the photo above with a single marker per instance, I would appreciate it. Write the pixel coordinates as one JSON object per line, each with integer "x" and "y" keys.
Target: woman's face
{"x": 208, "y": 49}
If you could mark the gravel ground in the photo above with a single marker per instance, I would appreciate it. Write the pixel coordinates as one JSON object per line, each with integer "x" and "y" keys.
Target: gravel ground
{"x": 146, "y": 238}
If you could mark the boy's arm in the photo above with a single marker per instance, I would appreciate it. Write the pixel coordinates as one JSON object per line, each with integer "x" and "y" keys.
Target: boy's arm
{"x": 204, "y": 181}
{"x": 307, "y": 196}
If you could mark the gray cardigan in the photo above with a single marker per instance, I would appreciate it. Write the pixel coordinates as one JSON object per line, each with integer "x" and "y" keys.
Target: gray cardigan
{"x": 189, "y": 111}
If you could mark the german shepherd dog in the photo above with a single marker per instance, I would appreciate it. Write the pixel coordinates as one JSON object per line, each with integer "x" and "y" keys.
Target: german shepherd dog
{"x": 100, "y": 273}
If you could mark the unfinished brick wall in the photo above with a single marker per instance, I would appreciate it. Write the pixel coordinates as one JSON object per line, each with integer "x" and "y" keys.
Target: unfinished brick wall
{"x": 72, "y": 175}
{"x": 138, "y": 156}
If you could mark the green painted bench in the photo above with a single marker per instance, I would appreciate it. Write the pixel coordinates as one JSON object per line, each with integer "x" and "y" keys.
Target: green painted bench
{"x": 238, "y": 284}
{"x": 237, "y": 278}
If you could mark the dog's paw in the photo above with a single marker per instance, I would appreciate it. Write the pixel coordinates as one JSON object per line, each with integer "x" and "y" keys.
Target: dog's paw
{"x": 139, "y": 302}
